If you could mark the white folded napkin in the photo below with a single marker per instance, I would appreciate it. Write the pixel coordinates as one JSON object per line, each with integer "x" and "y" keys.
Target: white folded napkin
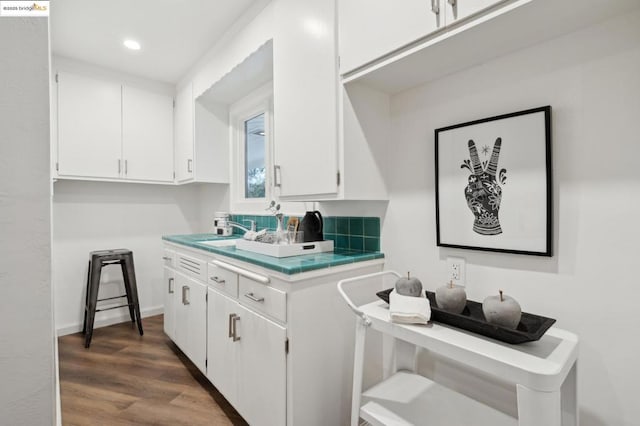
{"x": 409, "y": 309}
{"x": 253, "y": 235}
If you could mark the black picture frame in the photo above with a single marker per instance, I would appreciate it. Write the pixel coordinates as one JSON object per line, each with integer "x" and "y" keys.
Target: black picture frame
{"x": 502, "y": 202}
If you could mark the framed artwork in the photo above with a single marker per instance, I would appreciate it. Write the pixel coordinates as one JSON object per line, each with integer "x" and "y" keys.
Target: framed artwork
{"x": 493, "y": 183}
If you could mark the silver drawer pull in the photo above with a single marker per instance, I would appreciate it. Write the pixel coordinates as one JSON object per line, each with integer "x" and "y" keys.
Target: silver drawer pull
{"x": 218, "y": 280}
{"x": 185, "y": 290}
{"x": 254, "y": 298}
{"x": 231, "y": 317}
{"x": 166, "y": 258}
{"x": 170, "y": 285}
{"x": 435, "y": 6}
{"x": 234, "y": 321}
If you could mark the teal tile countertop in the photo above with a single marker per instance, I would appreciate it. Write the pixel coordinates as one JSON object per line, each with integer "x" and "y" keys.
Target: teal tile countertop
{"x": 287, "y": 265}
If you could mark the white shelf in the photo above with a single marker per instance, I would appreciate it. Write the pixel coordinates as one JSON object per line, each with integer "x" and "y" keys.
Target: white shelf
{"x": 409, "y": 399}
{"x": 514, "y": 26}
{"x": 544, "y": 372}
{"x": 542, "y": 365}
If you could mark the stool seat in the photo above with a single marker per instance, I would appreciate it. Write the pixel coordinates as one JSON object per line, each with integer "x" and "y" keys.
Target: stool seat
{"x": 97, "y": 260}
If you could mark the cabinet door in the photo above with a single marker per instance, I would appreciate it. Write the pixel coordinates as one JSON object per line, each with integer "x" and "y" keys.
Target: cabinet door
{"x": 147, "y": 135}
{"x": 183, "y": 127}
{"x": 89, "y": 127}
{"x": 191, "y": 320}
{"x": 305, "y": 97}
{"x": 459, "y": 9}
{"x": 262, "y": 369}
{"x": 181, "y": 320}
{"x": 222, "y": 362}
{"x": 370, "y": 29}
{"x": 169, "y": 303}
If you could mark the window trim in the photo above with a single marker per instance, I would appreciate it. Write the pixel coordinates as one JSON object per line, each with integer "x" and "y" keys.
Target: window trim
{"x": 257, "y": 102}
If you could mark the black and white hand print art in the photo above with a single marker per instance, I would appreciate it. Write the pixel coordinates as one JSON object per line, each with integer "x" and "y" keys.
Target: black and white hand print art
{"x": 477, "y": 207}
{"x": 483, "y": 192}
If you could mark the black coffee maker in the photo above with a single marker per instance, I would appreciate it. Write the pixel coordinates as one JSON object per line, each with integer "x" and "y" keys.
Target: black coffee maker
{"x": 311, "y": 226}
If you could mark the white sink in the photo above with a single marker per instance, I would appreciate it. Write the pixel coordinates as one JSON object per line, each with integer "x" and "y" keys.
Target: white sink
{"x": 219, "y": 243}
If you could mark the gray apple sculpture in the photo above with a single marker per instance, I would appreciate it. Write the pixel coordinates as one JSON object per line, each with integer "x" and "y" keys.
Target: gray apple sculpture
{"x": 409, "y": 286}
{"x": 502, "y": 310}
{"x": 451, "y": 298}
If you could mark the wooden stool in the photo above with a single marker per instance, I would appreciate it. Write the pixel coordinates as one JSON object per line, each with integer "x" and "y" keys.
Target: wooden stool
{"x": 97, "y": 260}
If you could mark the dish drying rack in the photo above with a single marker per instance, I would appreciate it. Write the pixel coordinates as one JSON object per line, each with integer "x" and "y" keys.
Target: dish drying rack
{"x": 544, "y": 373}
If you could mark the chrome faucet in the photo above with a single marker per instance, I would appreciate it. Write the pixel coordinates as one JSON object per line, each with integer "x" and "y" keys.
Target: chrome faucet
{"x": 237, "y": 225}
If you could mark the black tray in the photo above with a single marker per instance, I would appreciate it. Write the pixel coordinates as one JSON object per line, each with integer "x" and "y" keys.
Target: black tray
{"x": 530, "y": 328}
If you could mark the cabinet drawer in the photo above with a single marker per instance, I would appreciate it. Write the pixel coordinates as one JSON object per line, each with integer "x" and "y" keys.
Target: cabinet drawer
{"x": 192, "y": 267}
{"x": 263, "y": 298}
{"x": 223, "y": 280}
{"x": 169, "y": 257}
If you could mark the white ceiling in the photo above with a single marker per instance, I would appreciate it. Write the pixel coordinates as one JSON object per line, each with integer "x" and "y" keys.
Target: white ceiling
{"x": 174, "y": 34}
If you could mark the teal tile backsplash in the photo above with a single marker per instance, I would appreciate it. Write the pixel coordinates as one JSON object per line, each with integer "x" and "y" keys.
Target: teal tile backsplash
{"x": 360, "y": 234}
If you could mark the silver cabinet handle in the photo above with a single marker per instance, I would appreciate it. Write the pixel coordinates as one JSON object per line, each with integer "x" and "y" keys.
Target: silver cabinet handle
{"x": 435, "y": 6}
{"x": 234, "y": 321}
{"x": 254, "y": 298}
{"x": 126, "y": 162}
{"x": 452, "y": 2}
{"x": 217, "y": 280}
{"x": 231, "y": 317}
{"x": 251, "y": 275}
{"x": 185, "y": 301}
{"x": 276, "y": 176}
{"x": 189, "y": 165}
{"x": 119, "y": 166}
{"x": 170, "y": 286}
{"x": 166, "y": 258}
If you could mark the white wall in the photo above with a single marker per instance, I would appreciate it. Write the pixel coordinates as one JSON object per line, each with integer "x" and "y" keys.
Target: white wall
{"x": 250, "y": 32}
{"x": 91, "y": 216}
{"x": 26, "y": 338}
{"x": 592, "y": 80}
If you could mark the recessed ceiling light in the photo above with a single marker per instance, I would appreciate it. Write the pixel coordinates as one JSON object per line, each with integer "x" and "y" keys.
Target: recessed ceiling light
{"x": 132, "y": 44}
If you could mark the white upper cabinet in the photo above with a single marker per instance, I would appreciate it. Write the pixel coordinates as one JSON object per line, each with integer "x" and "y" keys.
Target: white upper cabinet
{"x": 110, "y": 131}
{"x": 147, "y": 135}
{"x": 89, "y": 127}
{"x": 184, "y": 148}
{"x": 370, "y": 29}
{"x": 373, "y": 29}
{"x": 201, "y": 140}
{"x": 305, "y": 82}
{"x": 394, "y": 46}
{"x": 460, "y": 9}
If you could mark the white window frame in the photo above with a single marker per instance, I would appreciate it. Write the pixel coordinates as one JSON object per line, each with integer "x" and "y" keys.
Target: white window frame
{"x": 257, "y": 102}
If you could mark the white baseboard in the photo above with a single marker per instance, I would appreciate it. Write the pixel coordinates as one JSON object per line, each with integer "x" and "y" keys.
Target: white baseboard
{"x": 76, "y": 328}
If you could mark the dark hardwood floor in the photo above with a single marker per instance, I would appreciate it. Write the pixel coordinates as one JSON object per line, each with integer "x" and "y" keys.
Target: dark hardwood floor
{"x": 128, "y": 379}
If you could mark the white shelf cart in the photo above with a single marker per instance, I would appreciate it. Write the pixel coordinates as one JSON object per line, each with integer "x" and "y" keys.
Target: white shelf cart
{"x": 544, "y": 373}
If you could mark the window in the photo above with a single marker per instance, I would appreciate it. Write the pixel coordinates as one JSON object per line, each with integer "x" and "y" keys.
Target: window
{"x": 255, "y": 158}
{"x": 251, "y": 161}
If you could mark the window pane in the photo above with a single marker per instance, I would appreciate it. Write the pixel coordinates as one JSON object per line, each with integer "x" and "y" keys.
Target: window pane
{"x": 254, "y": 152}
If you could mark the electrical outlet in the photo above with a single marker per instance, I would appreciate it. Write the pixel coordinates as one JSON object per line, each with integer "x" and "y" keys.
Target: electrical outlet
{"x": 456, "y": 270}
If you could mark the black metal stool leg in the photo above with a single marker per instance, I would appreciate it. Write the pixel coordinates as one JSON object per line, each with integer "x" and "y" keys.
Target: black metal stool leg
{"x": 86, "y": 299}
{"x": 127, "y": 288}
{"x": 131, "y": 277}
{"x": 96, "y": 267}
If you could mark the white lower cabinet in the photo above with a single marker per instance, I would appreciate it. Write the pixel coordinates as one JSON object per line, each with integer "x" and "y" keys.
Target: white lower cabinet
{"x": 221, "y": 349}
{"x": 262, "y": 375}
{"x": 246, "y": 360}
{"x": 191, "y": 319}
{"x": 169, "y": 303}
{"x": 278, "y": 347}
